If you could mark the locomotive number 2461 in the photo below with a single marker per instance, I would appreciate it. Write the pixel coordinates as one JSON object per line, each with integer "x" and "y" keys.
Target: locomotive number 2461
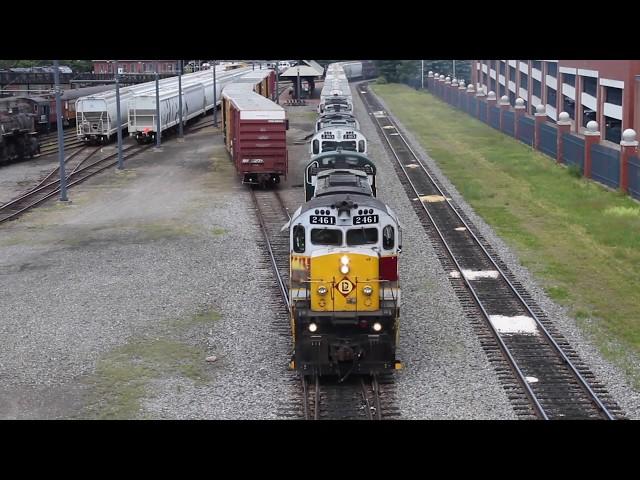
{"x": 364, "y": 219}
{"x": 322, "y": 220}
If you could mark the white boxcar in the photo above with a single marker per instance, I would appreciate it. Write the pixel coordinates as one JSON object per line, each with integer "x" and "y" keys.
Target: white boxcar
{"x": 96, "y": 114}
{"x": 336, "y": 89}
{"x": 352, "y": 69}
{"x": 142, "y": 110}
{"x": 222, "y": 80}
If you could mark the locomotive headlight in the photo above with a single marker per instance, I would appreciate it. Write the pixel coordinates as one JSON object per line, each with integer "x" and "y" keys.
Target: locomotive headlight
{"x": 376, "y": 326}
{"x": 344, "y": 269}
{"x": 313, "y": 327}
{"x": 367, "y": 290}
{"x": 344, "y": 260}
{"x": 322, "y": 290}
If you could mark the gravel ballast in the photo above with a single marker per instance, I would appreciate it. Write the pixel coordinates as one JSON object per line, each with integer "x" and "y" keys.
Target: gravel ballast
{"x": 447, "y": 375}
{"x": 612, "y": 377}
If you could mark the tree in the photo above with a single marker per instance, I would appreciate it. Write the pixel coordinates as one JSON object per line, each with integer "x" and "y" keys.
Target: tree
{"x": 388, "y": 69}
{"x": 75, "y": 65}
{"x": 445, "y": 67}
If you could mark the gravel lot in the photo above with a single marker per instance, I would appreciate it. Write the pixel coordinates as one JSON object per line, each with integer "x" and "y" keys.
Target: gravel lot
{"x": 112, "y": 303}
{"x": 609, "y": 374}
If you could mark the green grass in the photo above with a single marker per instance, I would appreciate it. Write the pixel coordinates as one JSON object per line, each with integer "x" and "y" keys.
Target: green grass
{"x": 579, "y": 239}
{"x": 121, "y": 379}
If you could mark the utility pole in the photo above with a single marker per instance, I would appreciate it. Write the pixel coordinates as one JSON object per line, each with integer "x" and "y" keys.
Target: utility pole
{"x": 298, "y": 81}
{"x": 157, "y": 108}
{"x": 422, "y": 74}
{"x": 180, "y": 131}
{"x": 215, "y": 97}
{"x": 118, "y": 118}
{"x": 277, "y": 86}
{"x": 63, "y": 175}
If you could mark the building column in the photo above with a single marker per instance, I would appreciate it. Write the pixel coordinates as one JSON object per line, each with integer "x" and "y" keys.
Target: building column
{"x": 430, "y": 81}
{"x": 480, "y": 102}
{"x": 540, "y": 117}
{"x": 491, "y": 101}
{"x": 564, "y": 126}
{"x": 578, "y": 104}
{"x": 447, "y": 89}
{"x": 454, "y": 92}
{"x": 591, "y": 137}
{"x": 628, "y": 148}
{"x": 519, "y": 112}
{"x": 504, "y": 105}
{"x": 470, "y": 92}
{"x": 462, "y": 98}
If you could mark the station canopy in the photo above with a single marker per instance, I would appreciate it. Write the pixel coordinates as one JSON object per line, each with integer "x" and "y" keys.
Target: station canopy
{"x": 305, "y": 70}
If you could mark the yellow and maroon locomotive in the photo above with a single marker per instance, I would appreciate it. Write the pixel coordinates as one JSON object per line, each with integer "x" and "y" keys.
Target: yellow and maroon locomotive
{"x": 344, "y": 289}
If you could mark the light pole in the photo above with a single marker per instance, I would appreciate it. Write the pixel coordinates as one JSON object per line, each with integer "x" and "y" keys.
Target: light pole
{"x": 215, "y": 97}
{"x": 422, "y": 74}
{"x": 63, "y": 175}
{"x": 118, "y": 118}
{"x": 277, "y": 86}
{"x": 298, "y": 81}
{"x": 454, "y": 69}
{"x": 157, "y": 108}
{"x": 180, "y": 132}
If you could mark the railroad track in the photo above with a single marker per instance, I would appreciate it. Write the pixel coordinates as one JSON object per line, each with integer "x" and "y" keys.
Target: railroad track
{"x": 359, "y": 397}
{"x": 543, "y": 376}
{"x": 47, "y": 188}
{"x": 79, "y": 156}
{"x": 49, "y": 143}
{"x": 284, "y": 85}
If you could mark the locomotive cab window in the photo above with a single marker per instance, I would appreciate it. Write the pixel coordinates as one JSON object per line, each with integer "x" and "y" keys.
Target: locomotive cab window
{"x": 298, "y": 239}
{"x": 362, "y": 236}
{"x": 388, "y": 236}
{"x": 326, "y": 236}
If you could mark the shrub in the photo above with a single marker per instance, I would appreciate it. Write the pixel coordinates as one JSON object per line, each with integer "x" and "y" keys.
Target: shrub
{"x": 574, "y": 171}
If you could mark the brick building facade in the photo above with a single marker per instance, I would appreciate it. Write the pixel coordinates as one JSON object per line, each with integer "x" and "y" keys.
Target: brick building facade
{"x": 135, "y": 66}
{"x": 607, "y": 91}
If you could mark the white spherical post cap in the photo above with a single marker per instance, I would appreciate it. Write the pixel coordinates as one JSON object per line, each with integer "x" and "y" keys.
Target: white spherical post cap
{"x": 430, "y": 74}
{"x": 629, "y": 135}
{"x": 504, "y": 100}
{"x": 470, "y": 88}
{"x": 441, "y": 77}
{"x": 540, "y": 108}
{"x": 564, "y": 117}
{"x": 592, "y": 126}
{"x": 491, "y": 95}
{"x": 519, "y": 102}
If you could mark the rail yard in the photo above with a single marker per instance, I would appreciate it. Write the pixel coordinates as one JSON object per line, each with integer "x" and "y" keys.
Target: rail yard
{"x": 298, "y": 259}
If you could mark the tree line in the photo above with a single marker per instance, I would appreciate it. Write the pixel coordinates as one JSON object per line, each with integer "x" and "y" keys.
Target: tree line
{"x": 75, "y": 65}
